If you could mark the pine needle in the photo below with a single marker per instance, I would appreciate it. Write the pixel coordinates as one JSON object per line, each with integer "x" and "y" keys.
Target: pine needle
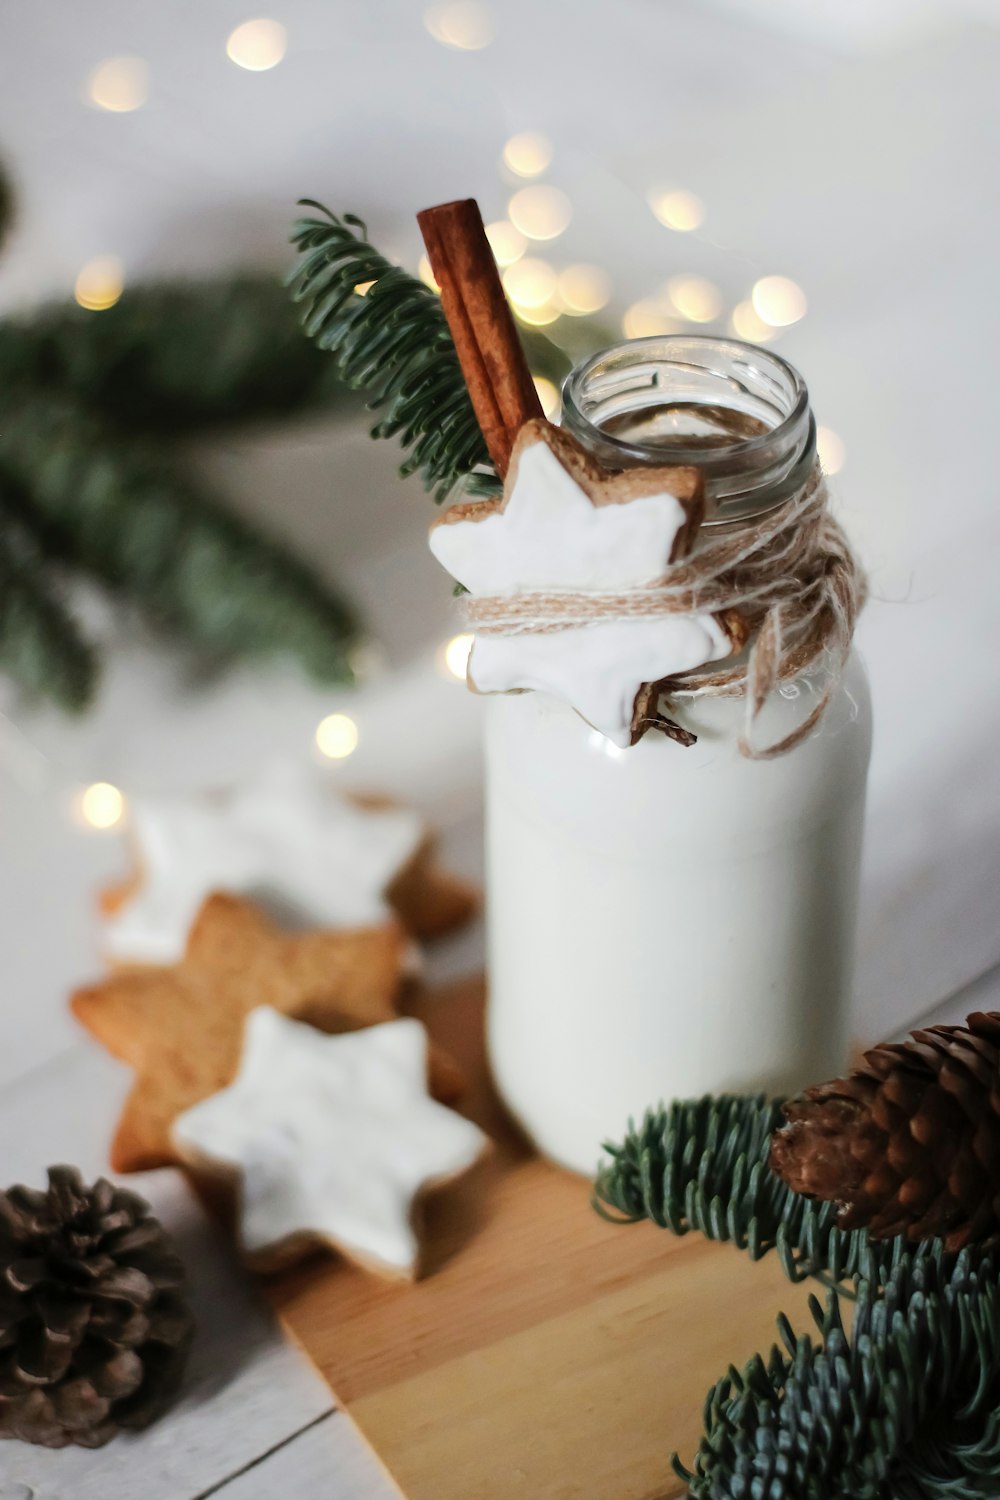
{"x": 41, "y": 646}
{"x": 118, "y": 511}
{"x": 393, "y": 344}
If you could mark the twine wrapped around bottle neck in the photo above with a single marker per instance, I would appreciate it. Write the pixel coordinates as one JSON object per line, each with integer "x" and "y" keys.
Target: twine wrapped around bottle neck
{"x": 790, "y": 577}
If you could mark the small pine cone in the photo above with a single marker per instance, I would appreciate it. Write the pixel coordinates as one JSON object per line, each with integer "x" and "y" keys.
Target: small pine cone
{"x": 909, "y": 1143}
{"x": 94, "y": 1331}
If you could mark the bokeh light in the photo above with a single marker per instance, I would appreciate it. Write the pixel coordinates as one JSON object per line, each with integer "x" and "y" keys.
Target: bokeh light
{"x": 695, "y": 298}
{"x": 584, "y": 289}
{"x": 257, "y": 45}
{"x": 507, "y": 243}
{"x": 778, "y": 300}
{"x": 337, "y": 736}
{"x": 102, "y": 805}
{"x": 465, "y": 25}
{"x": 677, "y": 209}
{"x": 527, "y": 154}
{"x": 831, "y": 450}
{"x": 530, "y": 283}
{"x": 455, "y": 655}
{"x": 747, "y": 325}
{"x": 541, "y": 212}
{"x": 99, "y": 283}
{"x": 426, "y": 274}
{"x": 119, "y": 84}
{"x": 548, "y": 394}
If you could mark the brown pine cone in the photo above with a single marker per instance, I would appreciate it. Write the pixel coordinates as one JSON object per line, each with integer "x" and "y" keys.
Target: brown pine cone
{"x": 94, "y": 1331}
{"x": 909, "y": 1143}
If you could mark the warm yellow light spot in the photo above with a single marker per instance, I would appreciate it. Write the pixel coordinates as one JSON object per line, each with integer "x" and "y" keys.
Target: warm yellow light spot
{"x": 257, "y": 45}
{"x": 538, "y": 317}
{"x": 830, "y": 447}
{"x": 530, "y": 283}
{"x": 465, "y": 25}
{"x": 100, "y": 283}
{"x": 119, "y": 84}
{"x": 584, "y": 289}
{"x": 507, "y": 243}
{"x": 778, "y": 300}
{"x": 455, "y": 655}
{"x": 426, "y": 274}
{"x": 747, "y": 325}
{"x": 102, "y": 805}
{"x": 527, "y": 154}
{"x": 677, "y": 209}
{"x": 695, "y": 298}
{"x": 540, "y": 212}
{"x": 363, "y": 287}
{"x": 337, "y": 736}
{"x": 548, "y": 394}
{"x": 645, "y": 318}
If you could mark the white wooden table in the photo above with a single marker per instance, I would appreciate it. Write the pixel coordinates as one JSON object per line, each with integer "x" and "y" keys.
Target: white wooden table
{"x": 874, "y": 190}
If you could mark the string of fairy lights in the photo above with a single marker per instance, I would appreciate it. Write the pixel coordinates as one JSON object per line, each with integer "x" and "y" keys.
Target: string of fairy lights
{"x": 542, "y": 290}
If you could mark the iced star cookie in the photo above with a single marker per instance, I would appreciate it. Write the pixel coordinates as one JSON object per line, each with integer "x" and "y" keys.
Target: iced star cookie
{"x": 562, "y": 571}
{"x": 180, "y": 1027}
{"x": 330, "y": 1140}
{"x": 293, "y": 844}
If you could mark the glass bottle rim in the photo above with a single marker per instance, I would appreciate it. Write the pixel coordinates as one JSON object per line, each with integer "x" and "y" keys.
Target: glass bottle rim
{"x": 790, "y": 442}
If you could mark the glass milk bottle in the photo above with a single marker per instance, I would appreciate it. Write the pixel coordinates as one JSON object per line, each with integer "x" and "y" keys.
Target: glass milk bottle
{"x": 666, "y": 921}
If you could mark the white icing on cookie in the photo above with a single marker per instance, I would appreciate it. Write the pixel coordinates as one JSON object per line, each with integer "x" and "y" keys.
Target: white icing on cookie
{"x": 333, "y": 1137}
{"x": 599, "y": 669}
{"x": 551, "y": 536}
{"x": 289, "y": 840}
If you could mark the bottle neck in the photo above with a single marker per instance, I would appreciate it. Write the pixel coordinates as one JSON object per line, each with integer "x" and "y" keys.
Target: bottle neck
{"x": 736, "y": 412}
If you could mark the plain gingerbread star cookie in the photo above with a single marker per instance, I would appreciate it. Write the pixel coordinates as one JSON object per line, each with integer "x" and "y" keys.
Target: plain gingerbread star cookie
{"x": 332, "y": 1140}
{"x": 180, "y": 1027}
{"x": 289, "y": 841}
{"x": 563, "y": 526}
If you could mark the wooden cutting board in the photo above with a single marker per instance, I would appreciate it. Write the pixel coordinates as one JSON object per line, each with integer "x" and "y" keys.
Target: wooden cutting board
{"x": 545, "y": 1353}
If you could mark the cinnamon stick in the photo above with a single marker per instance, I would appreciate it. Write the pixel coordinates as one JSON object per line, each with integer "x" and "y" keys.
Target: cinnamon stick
{"x": 496, "y": 372}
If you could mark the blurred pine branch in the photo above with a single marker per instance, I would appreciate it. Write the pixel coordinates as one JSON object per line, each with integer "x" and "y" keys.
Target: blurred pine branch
{"x": 117, "y": 509}
{"x": 40, "y": 643}
{"x": 91, "y": 406}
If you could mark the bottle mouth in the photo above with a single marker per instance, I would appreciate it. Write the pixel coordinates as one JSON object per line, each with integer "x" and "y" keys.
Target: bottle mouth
{"x": 738, "y": 413}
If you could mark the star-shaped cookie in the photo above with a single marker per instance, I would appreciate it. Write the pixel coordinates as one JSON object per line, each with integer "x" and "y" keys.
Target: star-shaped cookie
{"x": 332, "y": 1139}
{"x": 289, "y": 840}
{"x": 181, "y": 1027}
{"x": 565, "y": 526}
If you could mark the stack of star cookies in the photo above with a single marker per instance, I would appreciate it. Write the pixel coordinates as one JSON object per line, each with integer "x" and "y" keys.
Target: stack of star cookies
{"x": 259, "y": 952}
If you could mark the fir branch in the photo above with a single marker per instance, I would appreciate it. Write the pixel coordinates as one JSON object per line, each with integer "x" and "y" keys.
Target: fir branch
{"x": 393, "y": 343}
{"x": 41, "y": 646}
{"x": 906, "y": 1405}
{"x": 119, "y": 511}
{"x": 173, "y": 357}
{"x": 6, "y": 202}
{"x": 702, "y": 1165}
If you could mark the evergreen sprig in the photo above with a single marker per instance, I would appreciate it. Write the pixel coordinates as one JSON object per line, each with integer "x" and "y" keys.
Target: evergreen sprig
{"x": 118, "y": 510}
{"x": 393, "y": 343}
{"x": 40, "y": 642}
{"x": 903, "y": 1406}
{"x": 173, "y": 358}
{"x": 702, "y": 1165}
{"x": 92, "y": 406}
